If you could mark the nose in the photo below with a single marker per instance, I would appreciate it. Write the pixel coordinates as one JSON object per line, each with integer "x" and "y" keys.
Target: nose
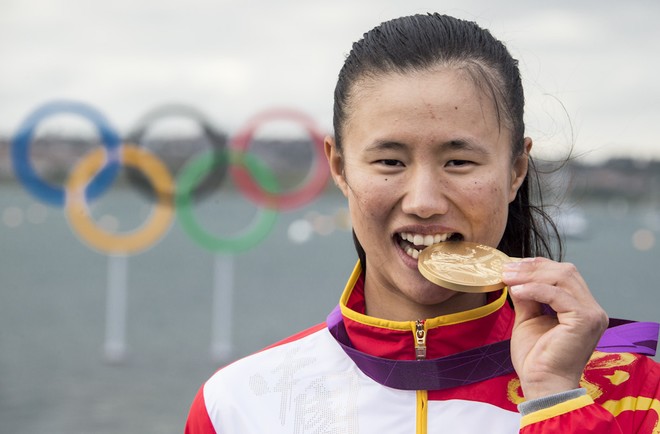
{"x": 426, "y": 194}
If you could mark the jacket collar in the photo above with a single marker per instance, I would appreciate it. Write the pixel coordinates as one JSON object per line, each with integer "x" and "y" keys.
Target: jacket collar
{"x": 445, "y": 335}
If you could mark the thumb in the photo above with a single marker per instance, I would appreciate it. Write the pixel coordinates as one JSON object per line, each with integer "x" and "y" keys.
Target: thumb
{"x": 524, "y": 308}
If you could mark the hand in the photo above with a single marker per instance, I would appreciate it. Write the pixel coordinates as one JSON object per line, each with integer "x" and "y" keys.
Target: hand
{"x": 549, "y": 353}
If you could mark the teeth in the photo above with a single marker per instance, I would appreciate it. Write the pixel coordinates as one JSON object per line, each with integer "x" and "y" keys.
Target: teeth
{"x": 412, "y": 252}
{"x": 421, "y": 240}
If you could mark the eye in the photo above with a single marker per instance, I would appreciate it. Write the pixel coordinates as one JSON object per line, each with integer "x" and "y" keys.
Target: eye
{"x": 390, "y": 163}
{"x": 459, "y": 163}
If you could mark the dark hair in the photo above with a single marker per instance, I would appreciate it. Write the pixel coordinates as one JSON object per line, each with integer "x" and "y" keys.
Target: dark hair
{"x": 422, "y": 42}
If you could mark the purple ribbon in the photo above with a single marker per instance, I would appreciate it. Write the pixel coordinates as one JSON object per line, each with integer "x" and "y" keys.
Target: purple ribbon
{"x": 477, "y": 364}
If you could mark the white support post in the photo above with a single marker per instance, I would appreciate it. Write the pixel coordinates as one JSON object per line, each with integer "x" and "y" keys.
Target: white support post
{"x": 115, "y": 321}
{"x": 221, "y": 326}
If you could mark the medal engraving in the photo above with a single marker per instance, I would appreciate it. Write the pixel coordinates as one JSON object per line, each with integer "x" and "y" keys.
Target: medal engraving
{"x": 463, "y": 266}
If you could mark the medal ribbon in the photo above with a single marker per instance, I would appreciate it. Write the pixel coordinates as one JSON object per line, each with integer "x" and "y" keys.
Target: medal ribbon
{"x": 477, "y": 364}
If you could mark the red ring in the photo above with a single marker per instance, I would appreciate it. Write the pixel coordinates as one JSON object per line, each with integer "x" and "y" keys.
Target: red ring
{"x": 313, "y": 185}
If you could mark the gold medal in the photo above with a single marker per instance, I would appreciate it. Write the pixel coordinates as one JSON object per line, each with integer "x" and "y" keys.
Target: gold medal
{"x": 463, "y": 266}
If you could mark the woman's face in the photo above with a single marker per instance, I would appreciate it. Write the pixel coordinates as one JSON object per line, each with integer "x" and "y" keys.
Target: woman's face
{"x": 423, "y": 160}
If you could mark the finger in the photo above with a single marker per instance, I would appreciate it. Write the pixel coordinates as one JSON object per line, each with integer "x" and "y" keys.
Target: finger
{"x": 542, "y": 270}
{"x": 541, "y": 293}
{"x": 525, "y": 309}
{"x": 539, "y": 270}
{"x": 570, "y": 310}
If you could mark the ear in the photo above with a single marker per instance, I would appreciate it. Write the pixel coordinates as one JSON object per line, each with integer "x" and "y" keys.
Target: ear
{"x": 336, "y": 163}
{"x": 519, "y": 169}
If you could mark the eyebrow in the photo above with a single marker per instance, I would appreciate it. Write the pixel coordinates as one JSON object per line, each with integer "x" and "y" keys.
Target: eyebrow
{"x": 452, "y": 145}
{"x": 386, "y": 145}
{"x": 464, "y": 145}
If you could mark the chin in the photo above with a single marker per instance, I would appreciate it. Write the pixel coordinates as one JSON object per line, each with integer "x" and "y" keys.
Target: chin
{"x": 444, "y": 296}
{"x": 428, "y": 294}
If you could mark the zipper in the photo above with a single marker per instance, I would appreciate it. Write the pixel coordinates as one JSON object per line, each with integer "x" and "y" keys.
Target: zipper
{"x": 422, "y": 412}
{"x": 422, "y": 395}
{"x": 420, "y": 340}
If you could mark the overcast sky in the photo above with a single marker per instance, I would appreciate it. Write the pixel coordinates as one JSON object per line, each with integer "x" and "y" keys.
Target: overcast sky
{"x": 590, "y": 68}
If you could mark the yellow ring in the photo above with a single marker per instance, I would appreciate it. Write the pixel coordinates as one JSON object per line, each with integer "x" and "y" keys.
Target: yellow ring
{"x": 148, "y": 233}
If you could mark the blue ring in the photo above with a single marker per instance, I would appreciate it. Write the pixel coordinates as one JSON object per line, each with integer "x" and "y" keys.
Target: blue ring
{"x": 55, "y": 195}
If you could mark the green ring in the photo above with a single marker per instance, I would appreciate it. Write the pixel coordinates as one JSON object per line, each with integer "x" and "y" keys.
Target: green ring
{"x": 194, "y": 172}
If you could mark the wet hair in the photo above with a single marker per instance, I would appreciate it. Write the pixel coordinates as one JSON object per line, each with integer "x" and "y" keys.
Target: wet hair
{"x": 424, "y": 42}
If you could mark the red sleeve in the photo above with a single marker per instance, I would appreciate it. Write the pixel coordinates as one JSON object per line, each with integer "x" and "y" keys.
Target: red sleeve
{"x": 198, "y": 418}
{"x": 577, "y": 416}
{"x": 624, "y": 398}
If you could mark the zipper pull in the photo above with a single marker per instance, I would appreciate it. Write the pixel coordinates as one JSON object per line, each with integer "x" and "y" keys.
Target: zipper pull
{"x": 420, "y": 340}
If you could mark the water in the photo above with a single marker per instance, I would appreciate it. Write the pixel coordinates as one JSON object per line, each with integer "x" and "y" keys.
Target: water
{"x": 55, "y": 378}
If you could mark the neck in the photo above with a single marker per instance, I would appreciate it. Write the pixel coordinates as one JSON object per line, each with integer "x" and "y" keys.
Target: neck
{"x": 397, "y": 307}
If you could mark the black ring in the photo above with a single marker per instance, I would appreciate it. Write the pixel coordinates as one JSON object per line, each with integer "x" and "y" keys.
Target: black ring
{"x": 217, "y": 139}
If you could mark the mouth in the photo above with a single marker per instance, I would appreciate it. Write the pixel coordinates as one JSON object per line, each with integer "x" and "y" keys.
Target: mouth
{"x": 413, "y": 243}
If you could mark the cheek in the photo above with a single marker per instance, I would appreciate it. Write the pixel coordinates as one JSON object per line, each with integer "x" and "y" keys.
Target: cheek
{"x": 486, "y": 200}
{"x": 370, "y": 196}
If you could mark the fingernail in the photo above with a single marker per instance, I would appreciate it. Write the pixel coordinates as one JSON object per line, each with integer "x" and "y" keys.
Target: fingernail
{"x": 515, "y": 288}
{"x": 508, "y": 275}
{"x": 510, "y": 266}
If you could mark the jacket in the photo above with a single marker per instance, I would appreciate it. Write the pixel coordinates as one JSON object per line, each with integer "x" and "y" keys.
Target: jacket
{"x": 308, "y": 384}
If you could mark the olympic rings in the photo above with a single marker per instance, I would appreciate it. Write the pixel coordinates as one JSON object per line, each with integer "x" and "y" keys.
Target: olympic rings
{"x": 96, "y": 171}
{"x": 195, "y": 171}
{"x": 314, "y": 184}
{"x": 217, "y": 139}
{"x": 79, "y": 216}
{"x": 25, "y": 173}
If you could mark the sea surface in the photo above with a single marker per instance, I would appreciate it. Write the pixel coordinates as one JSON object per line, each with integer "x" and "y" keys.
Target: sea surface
{"x": 68, "y": 365}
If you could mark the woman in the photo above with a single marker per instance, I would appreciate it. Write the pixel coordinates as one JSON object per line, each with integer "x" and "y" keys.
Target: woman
{"x": 429, "y": 146}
